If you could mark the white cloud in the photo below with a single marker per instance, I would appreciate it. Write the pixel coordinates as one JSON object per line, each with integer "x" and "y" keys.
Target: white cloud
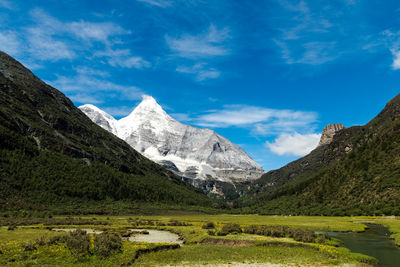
{"x": 86, "y": 83}
{"x": 44, "y": 47}
{"x": 262, "y": 121}
{"x": 52, "y": 39}
{"x": 392, "y": 41}
{"x": 159, "y": 3}
{"x": 317, "y": 53}
{"x": 208, "y": 44}
{"x": 201, "y": 71}
{"x": 123, "y": 58}
{"x": 10, "y": 43}
{"x": 396, "y": 60}
{"x": 85, "y": 99}
{"x": 181, "y": 117}
{"x": 294, "y": 144}
{"x": 101, "y": 32}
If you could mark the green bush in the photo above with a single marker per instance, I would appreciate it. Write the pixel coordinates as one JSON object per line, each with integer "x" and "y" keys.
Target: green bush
{"x": 284, "y": 231}
{"x": 211, "y": 232}
{"x": 230, "y": 228}
{"x": 29, "y": 246}
{"x": 78, "y": 242}
{"x": 106, "y": 244}
{"x": 11, "y": 228}
{"x": 178, "y": 223}
{"x": 209, "y": 225}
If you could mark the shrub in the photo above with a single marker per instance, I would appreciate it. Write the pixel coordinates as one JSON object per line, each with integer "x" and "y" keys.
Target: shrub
{"x": 106, "y": 244}
{"x": 230, "y": 228}
{"x": 78, "y": 242}
{"x": 57, "y": 239}
{"x": 177, "y": 223}
{"x": 284, "y": 231}
{"x": 29, "y": 246}
{"x": 209, "y": 225}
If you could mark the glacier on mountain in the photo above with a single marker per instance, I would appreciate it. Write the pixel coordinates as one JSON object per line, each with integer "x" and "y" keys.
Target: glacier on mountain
{"x": 191, "y": 152}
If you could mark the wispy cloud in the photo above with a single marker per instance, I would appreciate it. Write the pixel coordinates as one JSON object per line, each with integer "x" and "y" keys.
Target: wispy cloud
{"x": 392, "y": 41}
{"x": 8, "y": 4}
{"x": 101, "y": 32}
{"x": 182, "y": 117}
{"x": 85, "y": 99}
{"x": 43, "y": 46}
{"x": 10, "y": 43}
{"x": 303, "y": 35}
{"x": 203, "y": 45}
{"x": 52, "y": 39}
{"x": 123, "y": 58}
{"x": 396, "y": 60}
{"x": 158, "y": 3}
{"x": 294, "y": 144}
{"x": 261, "y": 121}
{"x": 93, "y": 82}
{"x": 201, "y": 71}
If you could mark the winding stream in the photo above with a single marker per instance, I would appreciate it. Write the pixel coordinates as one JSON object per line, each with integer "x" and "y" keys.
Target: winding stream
{"x": 375, "y": 242}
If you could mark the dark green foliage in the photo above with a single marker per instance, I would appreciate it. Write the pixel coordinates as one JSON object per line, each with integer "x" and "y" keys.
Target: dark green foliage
{"x": 51, "y": 153}
{"x": 209, "y": 225}
{"x": 230, "y": 228}
{"x": 106, "y": 244}
{"x": 357, "y": 174}
{"x": 178, "y": 223}
{"x": 284, "y": 231}
{"x": 14, "y": 221}
{"x": 78, "y": 243}
{"x": 211, "y": 232}
{"x": 29, "y": 246}
{"x": 12, "y": 227}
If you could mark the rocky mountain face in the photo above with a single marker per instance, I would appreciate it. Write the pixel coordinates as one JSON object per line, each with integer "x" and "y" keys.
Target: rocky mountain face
{"x": 329, "y": 132}
{"x": 199, "y": 155}
{"x": 50, "y": 150}
{"x": 354, "y": 171}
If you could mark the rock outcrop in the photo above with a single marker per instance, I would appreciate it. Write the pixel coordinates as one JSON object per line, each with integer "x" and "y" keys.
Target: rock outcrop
{"x": 329, "y": 131}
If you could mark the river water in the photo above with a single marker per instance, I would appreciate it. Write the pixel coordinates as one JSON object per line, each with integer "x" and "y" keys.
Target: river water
{"x": 375, "y": 242}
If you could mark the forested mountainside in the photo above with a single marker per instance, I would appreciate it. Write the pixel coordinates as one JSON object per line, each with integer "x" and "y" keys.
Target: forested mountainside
{"x": 50, "y": 151}
{"x": 357, "y": 173}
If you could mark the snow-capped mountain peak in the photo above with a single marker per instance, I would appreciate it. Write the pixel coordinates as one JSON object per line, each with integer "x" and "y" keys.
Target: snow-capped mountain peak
{"x": 192, "y": 152}
{"x": 100, "y": 117}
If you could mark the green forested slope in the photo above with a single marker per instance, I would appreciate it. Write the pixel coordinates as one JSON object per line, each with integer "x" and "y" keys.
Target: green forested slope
{"x": 358, "y": 173}
{"x": 51, "y": 152}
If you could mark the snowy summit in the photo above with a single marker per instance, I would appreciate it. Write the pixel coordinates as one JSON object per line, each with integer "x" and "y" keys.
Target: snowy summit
{"x": 191, "y": 152}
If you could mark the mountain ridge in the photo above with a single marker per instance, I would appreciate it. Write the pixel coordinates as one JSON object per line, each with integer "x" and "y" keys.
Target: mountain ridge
{"x": 356, "y": 174}
{"x": 50, "y": 151}
{"x": 196, "y": 153}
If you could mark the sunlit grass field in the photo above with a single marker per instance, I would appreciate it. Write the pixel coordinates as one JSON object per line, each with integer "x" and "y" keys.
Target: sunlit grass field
{"x": 201, "y": 246}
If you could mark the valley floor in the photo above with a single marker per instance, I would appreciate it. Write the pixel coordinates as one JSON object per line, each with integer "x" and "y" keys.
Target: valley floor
{"x": 206, "y": 240}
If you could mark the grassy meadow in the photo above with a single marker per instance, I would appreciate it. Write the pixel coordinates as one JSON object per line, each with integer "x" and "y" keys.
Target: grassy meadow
{"x": 207, "y": 239}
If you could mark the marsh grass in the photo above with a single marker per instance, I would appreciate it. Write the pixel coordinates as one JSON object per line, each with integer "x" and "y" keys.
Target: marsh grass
{"x": 51, "y": 248}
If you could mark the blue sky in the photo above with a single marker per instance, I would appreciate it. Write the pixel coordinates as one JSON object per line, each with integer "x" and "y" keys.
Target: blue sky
{"x": 268, "y": 75}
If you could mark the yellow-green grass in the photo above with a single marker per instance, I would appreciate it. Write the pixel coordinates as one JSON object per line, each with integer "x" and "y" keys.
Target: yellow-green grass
{"x": 193, "y": 251}
{"x": 305, "y": 222}
{"x": 210, "y": 255}
{"x": 13, "y": 254}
